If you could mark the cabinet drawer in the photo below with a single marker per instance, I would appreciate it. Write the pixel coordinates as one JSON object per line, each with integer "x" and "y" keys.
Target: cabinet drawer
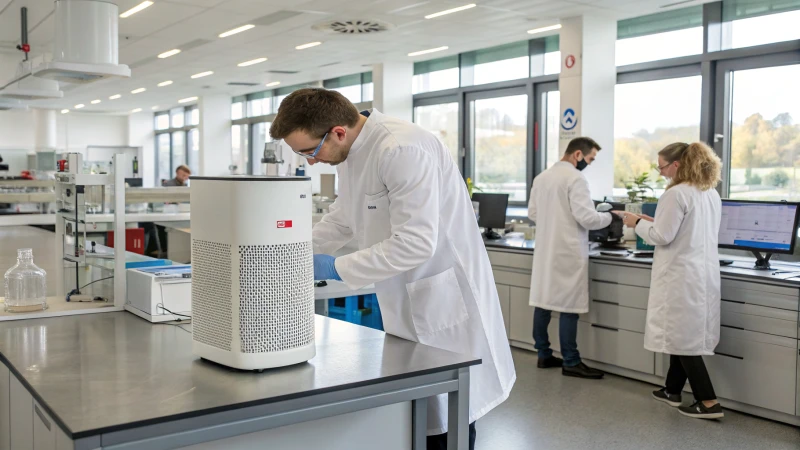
{"x": 753, "y": 372}
{"x": 615, "y": 316}
{"x": 503, "y": 294}
{"x": 760, "y": 294}
{"x": 513, "y": 260}
{"x": 5, "y": 408}
{"x": 630, "y": 276}
{"x": 44, "y": 430}
{"x": 779, "y": 322}
{"x": 509, "y": 278}
{"x": 616, "y": 347}
{"x": 521, "y": 320}
{"x": 623, "y": 295}
{"x": 21, "y": 420}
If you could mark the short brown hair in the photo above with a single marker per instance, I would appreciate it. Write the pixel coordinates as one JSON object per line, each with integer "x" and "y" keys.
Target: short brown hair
{"x": 183, "y": 168}
{"x": 700, "y": 166}
{"x": 313, "y": 110}
{"x": 583, "y": 145}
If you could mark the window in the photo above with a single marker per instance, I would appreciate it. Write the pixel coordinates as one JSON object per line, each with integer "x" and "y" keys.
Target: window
{"x": 163, "y": 151}
{"x": 239, "y": 148}
{"x": 259, "y": 104}
{"x": 260, "y": 137}
{"x": 435, "y": 75}
{"x": 765, "y": 134}
{"x": 545, "y": 56}
{"x": 194, "y": 116}
{"x": 647, "y": 117}
{"x": 442, "y": 121}
{"x": 498, "y": 137}
{"x": 551, "y": 102}
{"x": 506, "y": 62}
{"x": 194, "y": 150}
{"x": 349, "y": 86}
{"x": 658, "y": 36}
{"x": 367, "y": 88}
{"x": 757, "y": 22}
{"x": 237, "y": 108}
{"x": 162, "y": 121}
{"x": 178, "y": 149}
{"x": 177, "y": 117}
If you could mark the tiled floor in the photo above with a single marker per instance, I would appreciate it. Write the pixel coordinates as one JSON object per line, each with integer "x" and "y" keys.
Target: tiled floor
{"x": 547, "y": 411}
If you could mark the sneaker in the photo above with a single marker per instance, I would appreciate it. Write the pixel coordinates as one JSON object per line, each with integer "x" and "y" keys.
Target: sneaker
{"x": 699, "y": 411}
{"x": 671, "y": 399}
{"x": 547, "y": 363}
{"x": 582, "y": 371}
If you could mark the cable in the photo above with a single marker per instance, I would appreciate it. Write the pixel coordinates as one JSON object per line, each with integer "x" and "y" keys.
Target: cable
{"x": 178, "y": 325}
{"x": 161, "y": 305}
{"x": 96, "y": 281}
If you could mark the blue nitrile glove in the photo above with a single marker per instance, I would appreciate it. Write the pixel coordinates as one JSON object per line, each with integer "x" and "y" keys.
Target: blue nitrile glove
{"x": 325, "y": 269}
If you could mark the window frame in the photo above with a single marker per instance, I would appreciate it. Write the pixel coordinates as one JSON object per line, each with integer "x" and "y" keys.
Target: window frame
{"x": 186, "y": 128}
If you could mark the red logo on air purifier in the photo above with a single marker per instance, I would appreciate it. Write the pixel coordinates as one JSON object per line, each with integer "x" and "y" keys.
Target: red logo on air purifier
{"x": 284, "y": 224}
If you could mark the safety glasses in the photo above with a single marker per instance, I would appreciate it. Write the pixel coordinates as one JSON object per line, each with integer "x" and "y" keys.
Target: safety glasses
{"x": 316, "y": 150}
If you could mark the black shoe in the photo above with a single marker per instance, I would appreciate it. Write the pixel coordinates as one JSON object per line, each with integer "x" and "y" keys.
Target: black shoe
{"x": 547, "y": 363}
{"x": 582, "y": 371}
{"x": 699, "y": 411}
{"x": 671, "y": 399}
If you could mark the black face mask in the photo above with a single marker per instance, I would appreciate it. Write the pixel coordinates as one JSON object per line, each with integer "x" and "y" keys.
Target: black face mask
{"x": 580, "y": 165}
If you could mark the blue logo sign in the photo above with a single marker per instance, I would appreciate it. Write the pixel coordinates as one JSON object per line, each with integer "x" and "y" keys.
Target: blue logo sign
{"x": 569, "y": 120}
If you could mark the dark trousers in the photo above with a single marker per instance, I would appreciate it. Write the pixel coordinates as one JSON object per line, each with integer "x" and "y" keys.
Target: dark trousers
{"x": 567, "y": 336}
{"x": 439, "y": 441}
{"x": 692, "y": 368}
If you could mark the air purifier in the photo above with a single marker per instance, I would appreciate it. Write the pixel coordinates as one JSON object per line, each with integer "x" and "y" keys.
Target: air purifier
{"x": 252, "y": 271}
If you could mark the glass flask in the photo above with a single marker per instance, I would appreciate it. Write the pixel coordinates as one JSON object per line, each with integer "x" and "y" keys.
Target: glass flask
{"x": 25, "y": 285}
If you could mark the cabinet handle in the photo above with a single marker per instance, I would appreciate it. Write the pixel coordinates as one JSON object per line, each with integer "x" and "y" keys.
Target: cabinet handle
{"x": 606, "y": 282}
{"x": 731, "y": 327}
{"x": 41, "y": 416}
{"x": 606, "y": 302}
{"x": 729, "y": 356}
{"x": 605, "y": 328}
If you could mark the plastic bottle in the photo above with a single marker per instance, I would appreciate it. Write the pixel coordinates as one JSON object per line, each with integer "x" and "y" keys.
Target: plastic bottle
{"x": 25, "y": 285}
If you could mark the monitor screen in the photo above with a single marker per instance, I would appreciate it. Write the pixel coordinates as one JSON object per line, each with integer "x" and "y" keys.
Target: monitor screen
{"x": 760, "y": 226}
{"x": 491, "y": 210}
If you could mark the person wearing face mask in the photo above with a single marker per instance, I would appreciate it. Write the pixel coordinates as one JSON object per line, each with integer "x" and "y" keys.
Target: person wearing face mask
{"x": 562, "y": 209}
{"x": 683, "y": 310}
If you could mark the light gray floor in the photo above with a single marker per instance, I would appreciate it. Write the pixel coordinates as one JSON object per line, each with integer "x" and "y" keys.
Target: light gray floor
{"x": 547, "y": 411}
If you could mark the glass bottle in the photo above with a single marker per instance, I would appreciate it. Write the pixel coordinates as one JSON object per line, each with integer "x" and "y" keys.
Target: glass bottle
{"x": 25, "y": 285}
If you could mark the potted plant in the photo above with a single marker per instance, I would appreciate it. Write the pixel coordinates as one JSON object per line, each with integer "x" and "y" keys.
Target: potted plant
{"x": 470, "y": 188}
{"x": 641, "y": 191}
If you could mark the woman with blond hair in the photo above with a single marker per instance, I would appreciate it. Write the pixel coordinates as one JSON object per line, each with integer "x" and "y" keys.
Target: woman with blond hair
{"x": 683, "y": 310}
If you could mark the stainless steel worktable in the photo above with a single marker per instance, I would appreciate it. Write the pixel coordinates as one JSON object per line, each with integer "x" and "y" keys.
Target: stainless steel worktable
{"x": 113, "y": 380}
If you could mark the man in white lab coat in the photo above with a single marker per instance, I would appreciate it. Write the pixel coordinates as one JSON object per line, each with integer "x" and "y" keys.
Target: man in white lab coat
{"x": 402, "y": 198}
{"x": 562, "y": 209}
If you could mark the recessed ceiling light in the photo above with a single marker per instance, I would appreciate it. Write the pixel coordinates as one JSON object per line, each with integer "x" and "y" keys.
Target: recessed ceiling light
{"x": 136, "y": 110}
{"x": 202, "y": 74}
{"x": 135, "y": 9}
{"x": 172, "y": 52}
{"x": 79, "y": 106}
{"x": 114, "y": 97}
{"x": 274, "y": 83}
{"x": 450, "y": 11}
{"x": 236, "y": 30}
{"x": 94, "y": 102}
{"x": 543, "y": 29}
{"x": 252, "y": 61}
{"x": 187, "y": 100}
{"x": 154, "y": 108}
{"x": 430, "y": 50}
{"x": 309, "y": 45}
{"x": 136, "y": 91}
{"x": 165, "y": 83}
{"x": 64, "y": 111}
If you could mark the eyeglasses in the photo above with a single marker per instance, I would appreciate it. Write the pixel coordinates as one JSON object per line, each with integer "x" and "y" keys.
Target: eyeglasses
{"x": 664, "y": 166}
{"x": 316, "y": 150}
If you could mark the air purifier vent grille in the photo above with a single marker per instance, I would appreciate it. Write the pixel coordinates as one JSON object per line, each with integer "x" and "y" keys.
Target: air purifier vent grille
{"x": 276, "y": 297}
{"x": 211, "y": 294}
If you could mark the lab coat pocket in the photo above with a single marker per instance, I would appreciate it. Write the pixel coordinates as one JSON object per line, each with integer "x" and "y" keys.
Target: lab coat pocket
{"x": 436, "y": 303}
{"x": 377, "y": 226}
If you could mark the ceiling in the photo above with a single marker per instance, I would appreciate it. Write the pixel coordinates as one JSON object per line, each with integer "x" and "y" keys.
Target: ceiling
{"x": 194, "y": 26}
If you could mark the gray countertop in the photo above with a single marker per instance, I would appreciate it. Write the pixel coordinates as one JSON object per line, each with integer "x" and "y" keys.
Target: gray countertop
{"x": 741, "y": 267}
{"x": 99, "y": 373}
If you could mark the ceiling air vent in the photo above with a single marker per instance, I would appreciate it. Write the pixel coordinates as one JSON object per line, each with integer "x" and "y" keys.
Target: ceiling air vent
{"x": 354, "y": 26}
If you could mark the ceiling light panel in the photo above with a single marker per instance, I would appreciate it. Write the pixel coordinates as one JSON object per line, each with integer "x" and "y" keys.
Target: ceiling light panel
{"x": 202, "y": 74}
{"x": 169, "y": 53}
{"x": 136, "y": 9}
{"x": 237, "y": 30}
{"x": 450, "y": 11}
{"x": 430, "y": 50}
{"x": 252, "y": 62}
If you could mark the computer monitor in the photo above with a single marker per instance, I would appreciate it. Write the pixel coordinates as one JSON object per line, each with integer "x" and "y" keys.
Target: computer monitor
{"x": 769, "y": 227}
{"x": 491, "y": 212}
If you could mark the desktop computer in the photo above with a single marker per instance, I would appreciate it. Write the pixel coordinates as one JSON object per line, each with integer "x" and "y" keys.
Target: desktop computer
{"x": 756, "y": 226}
{"x": 491, "y": 212}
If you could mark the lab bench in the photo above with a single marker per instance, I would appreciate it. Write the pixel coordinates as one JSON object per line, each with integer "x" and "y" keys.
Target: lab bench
{"x": 115, "y": 381}
{"x": 756, "y": 368}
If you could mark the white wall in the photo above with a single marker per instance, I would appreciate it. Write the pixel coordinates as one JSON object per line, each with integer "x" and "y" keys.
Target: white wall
{"x": 16, "y": 130}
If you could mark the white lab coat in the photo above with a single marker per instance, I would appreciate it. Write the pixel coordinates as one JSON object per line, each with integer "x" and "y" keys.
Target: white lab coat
{"x": 684, "y": 306}
{"x": 403, "y": 199}
{"x": 563, "y": 211}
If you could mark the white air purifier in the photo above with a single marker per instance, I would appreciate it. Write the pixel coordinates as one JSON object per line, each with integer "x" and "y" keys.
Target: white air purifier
{"x": 252, "y": 271}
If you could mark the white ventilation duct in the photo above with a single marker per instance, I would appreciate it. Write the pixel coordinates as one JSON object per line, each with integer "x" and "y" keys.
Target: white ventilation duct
{"x": 29, "y": 87}
{"x": 86, "y": 43}
{"x": 5, "y": 105}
